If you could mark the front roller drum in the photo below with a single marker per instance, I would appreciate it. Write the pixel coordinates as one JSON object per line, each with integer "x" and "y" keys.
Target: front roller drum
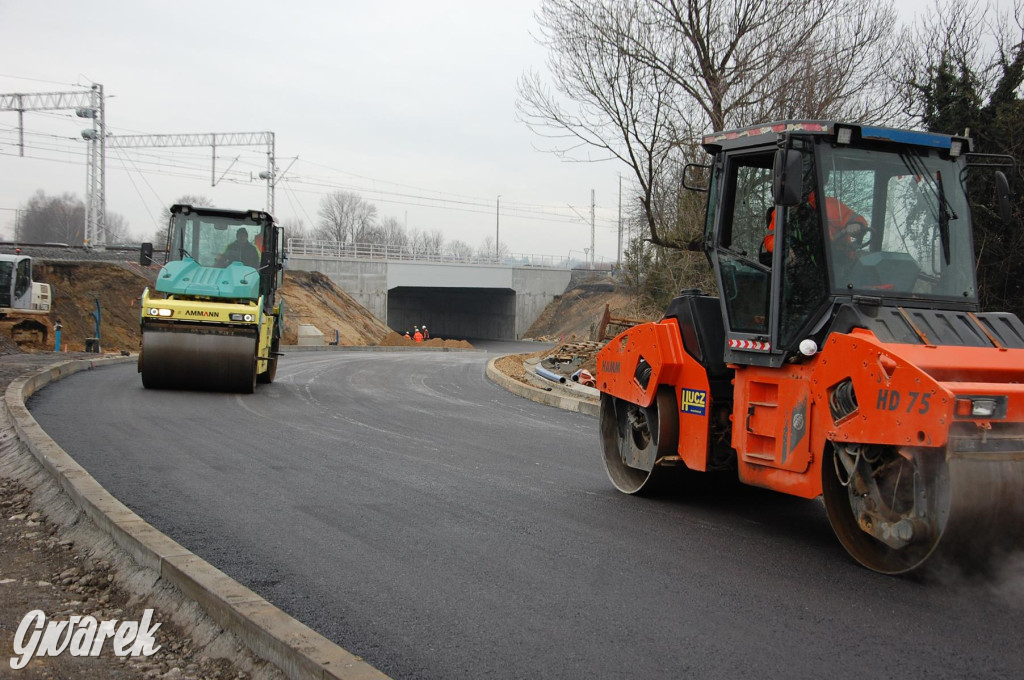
{"x": 634, "y": 438}
{"x": 198, "y": 361}
{"x": 897, "y": 509}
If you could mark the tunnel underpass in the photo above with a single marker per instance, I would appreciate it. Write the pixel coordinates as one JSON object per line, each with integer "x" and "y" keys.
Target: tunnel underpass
{"x": 454, "y": 312}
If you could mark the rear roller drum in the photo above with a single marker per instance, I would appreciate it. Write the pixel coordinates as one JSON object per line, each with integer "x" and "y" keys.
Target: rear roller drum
{"x": 896, "y": 509}
{"x": 634, "y": 438}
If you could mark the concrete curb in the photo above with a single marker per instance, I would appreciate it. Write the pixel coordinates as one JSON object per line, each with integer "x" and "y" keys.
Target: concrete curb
{"x": 268, "y": 632}
{"x": 561, "y": 401}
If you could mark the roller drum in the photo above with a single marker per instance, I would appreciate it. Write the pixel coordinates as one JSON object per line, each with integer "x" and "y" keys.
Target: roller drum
{"x": 198, "y": 361}
{"x": 897, "y": 511}
{"x": 986, "y": 511}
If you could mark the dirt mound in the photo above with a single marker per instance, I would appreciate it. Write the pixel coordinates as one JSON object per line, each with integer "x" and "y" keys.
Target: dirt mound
{"x": 312, "y": 298}
{"x": 576, "y": 314}
{"x": 77, "y": 289}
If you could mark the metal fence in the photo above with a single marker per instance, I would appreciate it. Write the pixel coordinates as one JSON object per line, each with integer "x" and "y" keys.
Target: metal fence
{"x": 374, "y": 251}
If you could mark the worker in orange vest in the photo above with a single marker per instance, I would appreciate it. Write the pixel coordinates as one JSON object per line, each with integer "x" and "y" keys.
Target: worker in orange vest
{"x": 417, "y": 336}
{"x": 846, "y": 228}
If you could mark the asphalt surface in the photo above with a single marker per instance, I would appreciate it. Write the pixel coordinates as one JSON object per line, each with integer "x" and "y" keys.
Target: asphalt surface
{"x": 440, "y": 527}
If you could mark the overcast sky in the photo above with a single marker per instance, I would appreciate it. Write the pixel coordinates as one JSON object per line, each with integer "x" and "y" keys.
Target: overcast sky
{"x": 409, "y": 103}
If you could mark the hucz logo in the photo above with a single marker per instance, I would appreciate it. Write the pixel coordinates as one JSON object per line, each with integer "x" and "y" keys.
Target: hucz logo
{"x": 201, "y": 312}
{"x": 81, "y": 636}
{"x": 693, "y": 401}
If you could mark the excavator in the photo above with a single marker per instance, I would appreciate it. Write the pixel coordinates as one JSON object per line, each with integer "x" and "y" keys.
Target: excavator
{"x": 214, "y": 321}
{"x": 845, "y": 357}
{"x": 19, "y": 294}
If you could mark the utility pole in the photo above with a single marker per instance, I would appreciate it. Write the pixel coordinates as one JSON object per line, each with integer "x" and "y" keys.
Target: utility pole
{"x": 618, "y": 252}
{"x": 96, "y": 170}
{"x": 497, "y": 231}
{"x": 90, "y": 104}
{"x": 591, "y": 228}
{"x": 86, "y": 104}
{"x": 212, "y": 140}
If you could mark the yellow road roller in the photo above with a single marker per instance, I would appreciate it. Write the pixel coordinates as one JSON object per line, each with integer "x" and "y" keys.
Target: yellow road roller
{"x": 214, "y": 320}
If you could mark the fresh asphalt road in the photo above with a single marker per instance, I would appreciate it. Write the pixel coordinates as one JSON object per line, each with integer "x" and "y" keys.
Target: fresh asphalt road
{"x": 440, "y": 527}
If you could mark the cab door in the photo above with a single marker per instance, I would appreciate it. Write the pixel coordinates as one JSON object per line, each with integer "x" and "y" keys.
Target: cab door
{"x": 772, "y": 290}
{"x": 743, "y": 256}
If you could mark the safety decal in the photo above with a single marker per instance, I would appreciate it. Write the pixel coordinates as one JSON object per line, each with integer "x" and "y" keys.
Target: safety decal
{"x": 694, "y": 402}
{"x": 750, "y": 344}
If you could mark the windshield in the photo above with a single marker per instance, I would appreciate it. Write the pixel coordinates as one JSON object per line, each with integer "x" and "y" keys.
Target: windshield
{"x": 898, "y": 224}
{"x": 215, "y": 240}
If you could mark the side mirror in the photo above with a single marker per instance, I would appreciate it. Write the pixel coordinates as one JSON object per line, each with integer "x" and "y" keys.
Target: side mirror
{"x": 702, "y": 171}
{"x": 146, "y": 254}
{"x": 1003, "y": 196}
{"x": 787, "y": 177}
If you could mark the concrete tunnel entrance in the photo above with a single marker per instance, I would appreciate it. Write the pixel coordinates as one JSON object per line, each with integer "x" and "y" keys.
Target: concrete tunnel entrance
{"x": 456, "y": 313}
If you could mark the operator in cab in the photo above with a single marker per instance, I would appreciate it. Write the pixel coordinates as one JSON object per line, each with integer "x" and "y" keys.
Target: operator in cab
{"x": 847, "y": 230}
{"x": 240, "y": 250}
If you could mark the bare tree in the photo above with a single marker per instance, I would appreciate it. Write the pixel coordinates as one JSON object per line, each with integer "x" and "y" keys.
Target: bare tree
{"x": 618, "y": 105}
{"x": 52, "y": 219}
{"x": 117, "y": 228}
{"x": 392, "y": 233}
{"x": 345, "y": 217}
{"x": 459, "y": 250}
{"x": 641, "y": 80}
{"x": 160, "y": 236}
{"x": 748, "y": 61}
{"x": 295, "y": 227}
{"x": 426, "y": 242}
{"x": 486, "y": 249}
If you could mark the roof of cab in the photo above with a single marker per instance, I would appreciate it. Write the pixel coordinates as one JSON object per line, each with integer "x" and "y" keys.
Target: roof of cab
{"x": 768, "y": 133}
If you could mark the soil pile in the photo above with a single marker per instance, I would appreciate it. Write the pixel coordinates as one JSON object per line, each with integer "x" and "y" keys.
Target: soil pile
{"x": 77, "y": 287}
{"x": 576, "y": 314}
{"x": 312, "y": 298}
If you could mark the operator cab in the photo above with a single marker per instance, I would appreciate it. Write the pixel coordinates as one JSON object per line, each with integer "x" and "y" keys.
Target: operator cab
{"x": 810, "y": 221}
{"x": 215, "y": 238}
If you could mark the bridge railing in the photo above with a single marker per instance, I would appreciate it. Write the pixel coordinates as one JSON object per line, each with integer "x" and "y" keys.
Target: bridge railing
{"x": 376, "y": 251}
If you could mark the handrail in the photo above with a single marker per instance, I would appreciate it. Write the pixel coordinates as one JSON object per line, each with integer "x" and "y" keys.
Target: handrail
{"x": 377, "y": 251}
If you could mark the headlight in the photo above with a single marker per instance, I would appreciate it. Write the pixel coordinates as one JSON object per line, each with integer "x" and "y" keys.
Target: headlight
{"x": 247, "y": 318}
{"x": 159, "y": 311}
{"x": 981, "y": 407}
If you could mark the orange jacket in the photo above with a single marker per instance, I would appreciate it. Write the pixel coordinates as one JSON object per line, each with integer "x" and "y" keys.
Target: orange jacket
{"x": 838, "y": 214}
